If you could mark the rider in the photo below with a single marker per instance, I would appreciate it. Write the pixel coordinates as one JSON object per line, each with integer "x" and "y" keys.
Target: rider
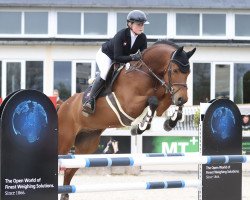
{"x": 124, "y": 47}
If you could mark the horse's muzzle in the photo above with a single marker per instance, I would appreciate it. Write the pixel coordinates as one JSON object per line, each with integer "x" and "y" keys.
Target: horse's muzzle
{"x": 179, "y": 96}
{"x": 179, "y": 101}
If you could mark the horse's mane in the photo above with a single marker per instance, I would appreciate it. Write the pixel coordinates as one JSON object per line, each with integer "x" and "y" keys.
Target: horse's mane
{"x": 168, "y": 42}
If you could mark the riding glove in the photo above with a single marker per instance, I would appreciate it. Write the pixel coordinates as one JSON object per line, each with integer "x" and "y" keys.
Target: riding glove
{"x": 136, "y": 56}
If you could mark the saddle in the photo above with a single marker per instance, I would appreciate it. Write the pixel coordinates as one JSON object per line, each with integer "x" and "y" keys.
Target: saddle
{"x": 113, "y": 73}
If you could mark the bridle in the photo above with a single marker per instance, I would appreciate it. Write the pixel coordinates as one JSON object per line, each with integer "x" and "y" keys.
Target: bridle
{"x": 169, "y": 86}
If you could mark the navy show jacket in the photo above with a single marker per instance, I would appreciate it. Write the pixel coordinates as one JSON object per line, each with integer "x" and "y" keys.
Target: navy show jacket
{"x": 119, "y": 48}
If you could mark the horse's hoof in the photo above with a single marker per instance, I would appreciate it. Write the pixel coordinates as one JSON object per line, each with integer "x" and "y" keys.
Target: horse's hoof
{"x": 136, "y": 131}
{"x": 133, "y": 130}
{"x": 64, "y": 197}
{"x": 148, "y": 126}
{"x": 166, "y": 126}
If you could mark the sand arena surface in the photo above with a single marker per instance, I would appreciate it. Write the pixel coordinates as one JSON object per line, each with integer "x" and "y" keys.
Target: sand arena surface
{"x": 149, "y": 173}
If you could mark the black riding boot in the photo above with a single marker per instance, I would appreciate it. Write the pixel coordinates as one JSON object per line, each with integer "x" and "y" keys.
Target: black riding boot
{"x": 89, "y": 106}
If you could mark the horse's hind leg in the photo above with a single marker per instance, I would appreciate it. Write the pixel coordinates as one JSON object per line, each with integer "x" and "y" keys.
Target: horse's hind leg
{"x": 85, "y": 143}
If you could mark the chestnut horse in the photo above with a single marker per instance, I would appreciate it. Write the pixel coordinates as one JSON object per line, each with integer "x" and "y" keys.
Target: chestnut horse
{"x": 155, "y": 82}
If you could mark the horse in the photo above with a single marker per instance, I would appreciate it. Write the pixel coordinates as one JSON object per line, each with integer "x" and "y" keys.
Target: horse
{"x": 147, "y": 86}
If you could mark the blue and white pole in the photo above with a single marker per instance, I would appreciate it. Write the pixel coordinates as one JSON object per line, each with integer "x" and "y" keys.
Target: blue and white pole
{"x": 144, "y": 161}
{"x": 129, "y": 186}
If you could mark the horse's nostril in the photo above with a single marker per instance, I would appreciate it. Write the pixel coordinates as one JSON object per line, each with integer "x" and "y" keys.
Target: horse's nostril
{"x": 180, "y": 101}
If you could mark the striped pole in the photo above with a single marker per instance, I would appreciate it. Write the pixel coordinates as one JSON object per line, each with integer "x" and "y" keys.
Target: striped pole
{"x": 83, "y": 156}
{"x": 129, "y": 186}
{"x": 140, "y": 161}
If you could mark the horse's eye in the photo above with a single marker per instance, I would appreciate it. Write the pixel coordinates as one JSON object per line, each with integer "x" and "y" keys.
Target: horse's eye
{"x": 175, "y": 70}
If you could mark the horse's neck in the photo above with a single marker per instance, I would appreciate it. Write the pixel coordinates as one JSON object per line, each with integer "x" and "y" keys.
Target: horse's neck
{"x": 157, "y": 57}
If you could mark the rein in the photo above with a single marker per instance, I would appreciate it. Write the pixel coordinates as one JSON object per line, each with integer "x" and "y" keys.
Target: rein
{"x": 169, "y": 86}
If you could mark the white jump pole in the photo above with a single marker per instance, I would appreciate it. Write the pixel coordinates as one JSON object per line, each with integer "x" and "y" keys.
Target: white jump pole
{"x": 83, "y": 156}
{"x": 144, "y": 161}
{"x": 107, "y": 187}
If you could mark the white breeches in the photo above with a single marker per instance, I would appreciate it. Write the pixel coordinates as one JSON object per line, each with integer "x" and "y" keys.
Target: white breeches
{"x": 104, "y": 63}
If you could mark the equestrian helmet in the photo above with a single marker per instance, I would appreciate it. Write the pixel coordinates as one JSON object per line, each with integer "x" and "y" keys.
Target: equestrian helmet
{"x": 137, "y": 16}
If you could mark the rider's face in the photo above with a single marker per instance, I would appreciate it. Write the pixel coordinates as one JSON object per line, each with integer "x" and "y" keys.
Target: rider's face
{"x": 137, "y": 27}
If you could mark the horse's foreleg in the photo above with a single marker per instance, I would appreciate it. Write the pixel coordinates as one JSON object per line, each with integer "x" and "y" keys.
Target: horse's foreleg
{"x": 145, "y": 124}
{"x": 172, "y": 121}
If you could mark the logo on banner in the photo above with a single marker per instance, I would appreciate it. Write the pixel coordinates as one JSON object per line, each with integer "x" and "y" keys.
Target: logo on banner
{"x": 28, "y": 120}
{"x": 222, "y": 123}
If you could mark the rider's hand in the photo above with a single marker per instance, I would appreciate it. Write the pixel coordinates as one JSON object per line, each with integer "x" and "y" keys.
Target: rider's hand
{"x": 136, "y": 56}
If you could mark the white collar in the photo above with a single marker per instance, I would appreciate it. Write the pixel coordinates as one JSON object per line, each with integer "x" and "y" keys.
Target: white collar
{"x": 133, "y": 34}
{"x": 133, "y": 38}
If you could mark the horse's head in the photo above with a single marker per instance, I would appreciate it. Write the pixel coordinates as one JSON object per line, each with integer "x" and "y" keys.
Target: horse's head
{"x": 170, "y": 65}
{"x": 176, "y": 75}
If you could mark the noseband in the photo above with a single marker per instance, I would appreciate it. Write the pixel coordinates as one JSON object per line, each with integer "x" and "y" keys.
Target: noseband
{"x": 169, "y": 86}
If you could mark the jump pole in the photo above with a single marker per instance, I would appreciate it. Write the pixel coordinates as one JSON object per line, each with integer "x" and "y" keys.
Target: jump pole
{"x": 145, "y": 161}
{"x": 83, "y": 156}
{"x": 129, "y": 186}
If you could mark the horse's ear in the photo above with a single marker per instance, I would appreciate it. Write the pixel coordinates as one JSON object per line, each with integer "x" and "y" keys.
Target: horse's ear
{"x": 179, "y": 50}
{"x": 190, "y": 53}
